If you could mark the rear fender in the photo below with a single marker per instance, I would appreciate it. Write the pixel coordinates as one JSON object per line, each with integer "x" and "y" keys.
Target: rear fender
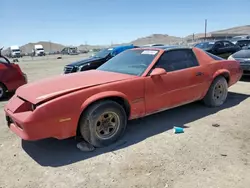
{"x": 222, "y": 72}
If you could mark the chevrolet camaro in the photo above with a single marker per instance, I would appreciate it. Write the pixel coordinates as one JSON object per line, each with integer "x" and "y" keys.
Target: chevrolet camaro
{"x": 97, "y": 104}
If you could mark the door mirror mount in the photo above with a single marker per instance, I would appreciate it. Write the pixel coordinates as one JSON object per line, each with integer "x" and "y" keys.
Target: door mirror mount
{"x": 158, "y": 72}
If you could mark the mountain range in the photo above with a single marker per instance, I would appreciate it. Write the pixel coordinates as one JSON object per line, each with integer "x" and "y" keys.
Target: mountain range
{"x": 152, "y": 39}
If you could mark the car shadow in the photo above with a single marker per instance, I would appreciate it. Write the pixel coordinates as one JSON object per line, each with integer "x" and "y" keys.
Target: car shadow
{"x": 55, "y": 153}
{"x": 245, "y": 78}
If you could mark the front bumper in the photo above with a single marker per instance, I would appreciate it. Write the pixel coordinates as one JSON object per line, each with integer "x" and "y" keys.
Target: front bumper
{"x": 16, "y": 56}
{"x": 245, "y": 68}
{"x": 28, "y": 124}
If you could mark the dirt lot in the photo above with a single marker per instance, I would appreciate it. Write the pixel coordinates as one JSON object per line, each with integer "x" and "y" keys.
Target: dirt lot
{"x": 149, "y": 155}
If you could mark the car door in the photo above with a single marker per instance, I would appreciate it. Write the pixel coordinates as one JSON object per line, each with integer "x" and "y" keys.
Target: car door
{"x": 218, "y": 48}
{"x": 9, "y": 74}
{"x": 184, "y": 82}
{"x": 230, "y": 48}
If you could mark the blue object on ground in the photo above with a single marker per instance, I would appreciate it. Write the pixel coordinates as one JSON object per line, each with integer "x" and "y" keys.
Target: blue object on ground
{"x": 178, "y": 130}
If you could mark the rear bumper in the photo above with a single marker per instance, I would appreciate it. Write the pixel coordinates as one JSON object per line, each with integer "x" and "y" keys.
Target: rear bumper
{"x": 245, "y": 68}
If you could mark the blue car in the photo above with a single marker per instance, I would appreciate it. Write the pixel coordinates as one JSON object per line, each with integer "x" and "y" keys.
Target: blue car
{"x": 97, "y": 60}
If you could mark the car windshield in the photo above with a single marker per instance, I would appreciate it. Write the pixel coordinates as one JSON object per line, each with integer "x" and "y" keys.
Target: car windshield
{"x": 205, "y": 45}
{"x": 243, "y": 42}
{"x": 133, "y": 62}
{"x": 103, "y": 53}
{"x": 39, "y": 49}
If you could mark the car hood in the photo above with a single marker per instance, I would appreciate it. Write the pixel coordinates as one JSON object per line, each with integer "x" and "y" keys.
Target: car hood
{"x": 85, "y": 61}
{"x": 242, "y": 54}
{"x": 56, "y": 86}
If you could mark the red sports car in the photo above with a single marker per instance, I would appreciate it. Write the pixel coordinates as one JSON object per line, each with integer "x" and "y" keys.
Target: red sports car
{"x": 96, "y": 104}
{"x": 11, "y": 76}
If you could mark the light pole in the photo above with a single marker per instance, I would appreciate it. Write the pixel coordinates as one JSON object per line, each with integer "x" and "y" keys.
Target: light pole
{"x": 205, "y": 29}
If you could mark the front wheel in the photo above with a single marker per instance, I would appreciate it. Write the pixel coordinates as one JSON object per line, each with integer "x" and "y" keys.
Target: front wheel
{"x": 2, "y": 91}
{"x": 217, "y": 93}
{"x": 103, "y": 123}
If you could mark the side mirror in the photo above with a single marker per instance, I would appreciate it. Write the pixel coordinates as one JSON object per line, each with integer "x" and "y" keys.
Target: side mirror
{"x": 158, "y": 72}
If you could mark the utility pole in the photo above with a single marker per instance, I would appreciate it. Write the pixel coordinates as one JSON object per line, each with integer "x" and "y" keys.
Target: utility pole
{"x": 205, "y": 29}
{"x": 49, "y": 49}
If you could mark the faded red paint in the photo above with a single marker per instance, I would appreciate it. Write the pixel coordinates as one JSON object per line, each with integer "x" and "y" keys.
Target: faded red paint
{"x": 61, "y": 100}
{"x": 11, "y": 76}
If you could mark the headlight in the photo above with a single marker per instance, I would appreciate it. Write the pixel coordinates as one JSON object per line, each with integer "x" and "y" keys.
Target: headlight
{"x": 33, "y": 107}
{"x": 231, "y": 57}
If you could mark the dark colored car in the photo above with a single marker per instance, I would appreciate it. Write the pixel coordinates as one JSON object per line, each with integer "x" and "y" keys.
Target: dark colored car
{"x": 243, "y": 56}
{"x": 95, "y": 61}
{"x": 243, "y": 42}
{"x": 11, "y": 76}
{"x": 70, "y": 51}
{"x": 222, "y": 48}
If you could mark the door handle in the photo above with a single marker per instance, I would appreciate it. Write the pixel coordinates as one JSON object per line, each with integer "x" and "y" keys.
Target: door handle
{"x": 199, "y": 73}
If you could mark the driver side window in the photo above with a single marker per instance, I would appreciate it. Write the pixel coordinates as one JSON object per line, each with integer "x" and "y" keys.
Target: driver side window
{"x": 177, "y": 60}
{"x": 3, "y": 60}
{"x": 218, "y": 45}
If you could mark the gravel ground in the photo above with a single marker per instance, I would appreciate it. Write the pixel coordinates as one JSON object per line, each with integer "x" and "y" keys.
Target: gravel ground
{"x": 149, "y": 155}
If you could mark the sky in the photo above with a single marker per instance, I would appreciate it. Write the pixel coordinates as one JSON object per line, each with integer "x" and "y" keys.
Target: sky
{"x": 102, "y": 22}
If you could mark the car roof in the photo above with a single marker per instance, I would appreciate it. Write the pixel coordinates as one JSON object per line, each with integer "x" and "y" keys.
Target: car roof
{"x": 165, "y": 48}
{"x": 223, "y": 40}
{"x": 243, "y": 40}
{"x": 125, "y": 46}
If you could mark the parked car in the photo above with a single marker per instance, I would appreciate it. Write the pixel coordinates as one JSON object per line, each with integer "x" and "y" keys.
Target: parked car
{"x": 222, "y": 48}
{"x": 242, "y": 37}
{"x": 243, "y": 56}
{"x": 152, "y": 45}
{"x": 96, "y": 60}
{"x": 70, "y": 51}
{"x": 11, "y": 76}
{"x": 97, "y": 104}
{"x": 243, "y": 42}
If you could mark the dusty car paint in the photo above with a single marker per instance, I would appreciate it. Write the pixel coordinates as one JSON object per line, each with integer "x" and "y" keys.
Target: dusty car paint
{"x": 41, "y": 110}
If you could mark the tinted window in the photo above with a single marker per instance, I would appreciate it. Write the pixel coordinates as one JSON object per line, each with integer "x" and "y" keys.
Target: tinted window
{"x": 214, "y": 56}
{"x": 219, "y": 45}
{"x": 133, "y": 62}
{"x": 103, "y": 53}
{"x": 177, "y": 60}
{"x": 3, "y": 60}
{"x": 243, "y": 43}
{"x": 227, "y": 44}
{"x": 205, "y": 45}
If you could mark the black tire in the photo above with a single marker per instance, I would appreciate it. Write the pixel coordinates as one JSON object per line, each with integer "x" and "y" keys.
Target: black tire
{"x": 3, "y": 91}
{"x": 216, "y": 96}
{"x": 89, "y": 123}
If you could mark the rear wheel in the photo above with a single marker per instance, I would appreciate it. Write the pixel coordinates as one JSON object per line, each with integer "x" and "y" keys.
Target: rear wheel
{"x": 2, "y": 91}
{"x": 217, "y": 93}
{"x": 103, "y": 123}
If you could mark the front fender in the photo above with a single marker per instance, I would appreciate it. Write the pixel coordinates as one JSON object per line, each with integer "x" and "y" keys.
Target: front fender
{"x": 103, "y": 95}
